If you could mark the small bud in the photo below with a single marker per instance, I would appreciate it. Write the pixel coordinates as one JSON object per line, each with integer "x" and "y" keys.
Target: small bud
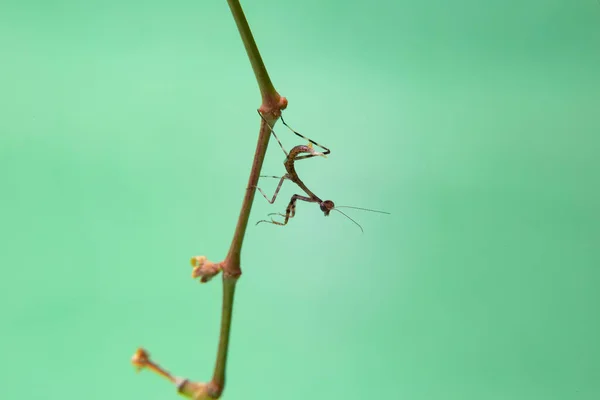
{"x": 204, "y": 269}
{"x": 140, "y": 359}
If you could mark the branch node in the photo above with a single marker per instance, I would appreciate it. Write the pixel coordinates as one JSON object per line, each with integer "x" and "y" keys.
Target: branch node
{"x": 193, "y": 390}
{"x": 274, "y": 106}
{"x": 214, "y": 390}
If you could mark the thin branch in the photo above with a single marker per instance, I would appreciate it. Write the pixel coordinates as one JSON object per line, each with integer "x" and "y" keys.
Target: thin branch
{"x": 267, "y": 90}
{"x": 232, "y": 261}
{"x": 197, "y": 391}
{"x": 272, "y": 104}
{"x": 228, "y": 294}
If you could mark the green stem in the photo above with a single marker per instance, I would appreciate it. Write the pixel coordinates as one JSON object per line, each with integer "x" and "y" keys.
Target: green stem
{"x": 267, "y": 90}
{"x": 219, "y": 374}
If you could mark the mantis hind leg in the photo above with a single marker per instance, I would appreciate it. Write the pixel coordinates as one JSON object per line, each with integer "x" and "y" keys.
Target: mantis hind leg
{"x": 290, "y": 211}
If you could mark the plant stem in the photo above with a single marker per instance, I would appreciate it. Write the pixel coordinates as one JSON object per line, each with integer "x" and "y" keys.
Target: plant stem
{"x": 272, "y": 104}
{"x": 232, "y": 261}
{"x": 228, "y": 294}
{"x": 267, "y": 90}
{"x": 231, "y": 266}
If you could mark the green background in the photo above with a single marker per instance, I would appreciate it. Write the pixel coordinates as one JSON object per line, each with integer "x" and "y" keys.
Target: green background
{"x": 127, "y": 130}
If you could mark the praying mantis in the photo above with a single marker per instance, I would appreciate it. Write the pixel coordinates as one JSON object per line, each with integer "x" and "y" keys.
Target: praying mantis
{"x": 297, "y": 153}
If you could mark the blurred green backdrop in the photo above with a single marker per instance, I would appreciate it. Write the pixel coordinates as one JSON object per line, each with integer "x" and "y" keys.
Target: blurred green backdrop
{"x": 126, "y": 134}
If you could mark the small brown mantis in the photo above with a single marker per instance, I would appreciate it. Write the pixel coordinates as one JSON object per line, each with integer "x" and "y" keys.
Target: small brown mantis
{"x": 301, "y": 152}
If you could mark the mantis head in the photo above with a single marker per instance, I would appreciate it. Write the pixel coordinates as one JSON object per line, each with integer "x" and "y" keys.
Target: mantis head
{"x": 326, "y": 206}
